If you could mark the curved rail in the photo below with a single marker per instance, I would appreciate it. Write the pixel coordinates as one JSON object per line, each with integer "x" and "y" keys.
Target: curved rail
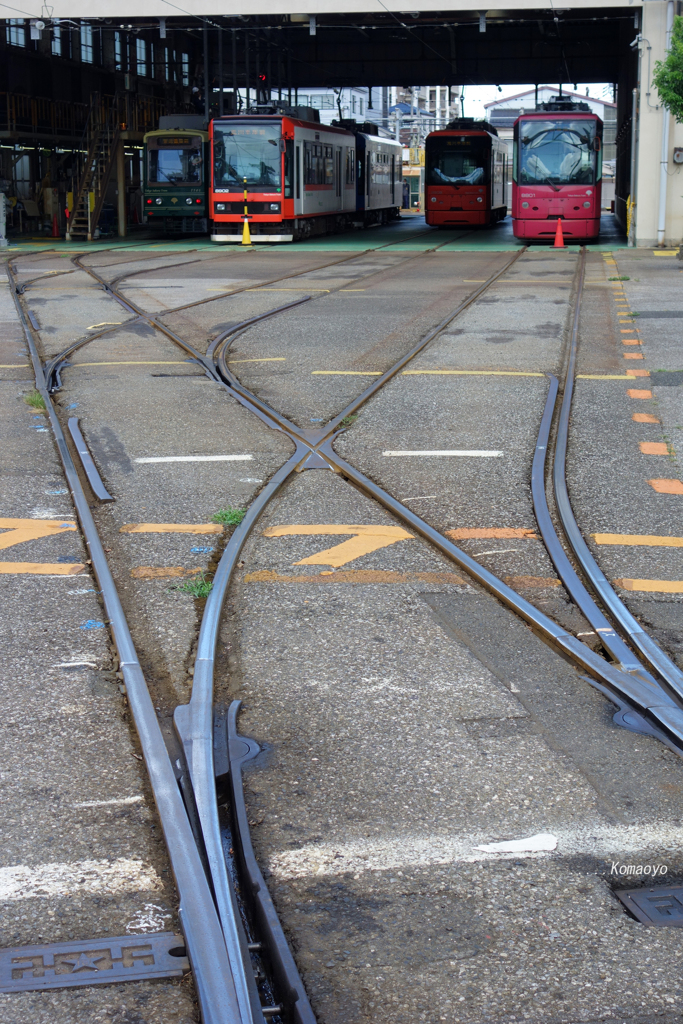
{"x": 199, "y": 920}
{"x": 630, "y": 627}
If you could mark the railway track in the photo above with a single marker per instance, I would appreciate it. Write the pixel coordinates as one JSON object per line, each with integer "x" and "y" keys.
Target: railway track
{"x": 234, "y": 938}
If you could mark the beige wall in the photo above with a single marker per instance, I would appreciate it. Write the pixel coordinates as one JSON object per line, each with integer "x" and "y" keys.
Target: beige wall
{"x": 649, "y": 154}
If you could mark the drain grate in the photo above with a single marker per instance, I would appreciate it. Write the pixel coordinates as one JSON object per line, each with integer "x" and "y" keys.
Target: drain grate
{"x": 661, "y": 906}
{"x": 100, "y": 962}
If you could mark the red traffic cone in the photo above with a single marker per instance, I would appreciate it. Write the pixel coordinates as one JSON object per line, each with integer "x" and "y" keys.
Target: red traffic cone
{"x": 559, "y": 237}
{"x": 55, "y": 227}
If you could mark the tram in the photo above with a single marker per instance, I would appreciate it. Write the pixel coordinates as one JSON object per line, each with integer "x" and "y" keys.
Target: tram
{"x": 557, "y": 171}
{"x": 174, "y": 195}
{"x": 302, "y": 178}
{"x": 465, "y": 175}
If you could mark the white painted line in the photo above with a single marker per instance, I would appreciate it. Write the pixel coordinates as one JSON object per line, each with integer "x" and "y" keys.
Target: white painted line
{"x": 534, "y": 844}
{"x": 111, "y": 803}
{"x": 401, "y": 850}
{"x": 77, "y": 664}
{"x": 494, "y": 551}
{"x": 199, "y": 458}
{"x": 22, "y": 882}
{"x": 451, "y": 453}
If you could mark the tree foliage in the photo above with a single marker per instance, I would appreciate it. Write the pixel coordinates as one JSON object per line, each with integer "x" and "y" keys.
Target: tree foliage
{"x": 668, "y": 74}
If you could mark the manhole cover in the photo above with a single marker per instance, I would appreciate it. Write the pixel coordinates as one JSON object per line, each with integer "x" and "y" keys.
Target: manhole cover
{"x": 661, "y": 906}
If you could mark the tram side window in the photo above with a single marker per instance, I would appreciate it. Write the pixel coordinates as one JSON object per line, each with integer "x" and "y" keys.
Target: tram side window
{"x": 498, "y": 169}
{"x": 329, "y": 165}
{"x": 381, "y": 171}
{"x": 350, "y": 174}
{"x": 174, "y": 166}
{"x": 318, "y": 164}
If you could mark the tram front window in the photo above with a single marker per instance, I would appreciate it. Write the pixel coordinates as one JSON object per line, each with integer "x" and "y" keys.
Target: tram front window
{"x": 250, "y": 151}
{"x": 560, "y": 152}
{"x": 453, "y": 160}
{"x": 175, "y": 166}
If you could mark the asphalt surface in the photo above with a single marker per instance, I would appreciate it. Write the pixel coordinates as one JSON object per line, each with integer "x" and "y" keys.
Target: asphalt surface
{"x": 406, "y": 718}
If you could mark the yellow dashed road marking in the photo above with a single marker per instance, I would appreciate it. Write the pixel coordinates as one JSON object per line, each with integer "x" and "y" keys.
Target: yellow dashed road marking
{"x": 666, "y": 486}
{"x": 637, "y": 540}
{"x": 42, "y": 568}
{"x": 364, "y": 540}
{"x": 652, "y": 586}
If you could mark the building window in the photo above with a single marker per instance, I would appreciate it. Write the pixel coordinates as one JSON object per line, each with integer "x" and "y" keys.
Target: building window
{"x": 118, "y": 51}
{"x": 86, "y": 43}
{"x": 353, "y": 104}
{"x": 141, "y": 55}
{"x": 319, "y": 102}
{"x": 56, "y": 40}
{"x": 166, "y": 64}
{"x": 16, "y": 33}
{"x": 360, "y": 106}
{"x": 185, "y": 58}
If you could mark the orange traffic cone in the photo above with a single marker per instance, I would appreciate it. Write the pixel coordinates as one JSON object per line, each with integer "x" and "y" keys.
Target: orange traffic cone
{"x": 55, "y": 226}
{"x": 559, "y": 237}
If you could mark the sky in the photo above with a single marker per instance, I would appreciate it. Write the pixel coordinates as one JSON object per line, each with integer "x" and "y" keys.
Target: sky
{"x": 477, "y": 95}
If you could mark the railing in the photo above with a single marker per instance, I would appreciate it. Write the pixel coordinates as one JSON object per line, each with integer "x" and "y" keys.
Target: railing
{"x": 40, "y": 116}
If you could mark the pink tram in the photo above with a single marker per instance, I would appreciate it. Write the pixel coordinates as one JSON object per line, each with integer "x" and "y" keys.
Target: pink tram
{"x": 557, "y": 171}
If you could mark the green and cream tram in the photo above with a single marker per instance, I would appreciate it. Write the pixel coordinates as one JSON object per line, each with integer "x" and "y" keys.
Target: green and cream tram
{"x": 175, "y": 176}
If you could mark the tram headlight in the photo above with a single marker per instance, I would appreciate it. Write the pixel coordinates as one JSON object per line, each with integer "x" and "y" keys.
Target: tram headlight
{"x": 479, "y": 199}
{"x": 188, "y": 201}
{"x": 274, "y": 207}
{"x": 525, "y": 206}
{"x": 158, "y": 202}
{"x": 219, "y": 207}
{"x": 587, "y": 205}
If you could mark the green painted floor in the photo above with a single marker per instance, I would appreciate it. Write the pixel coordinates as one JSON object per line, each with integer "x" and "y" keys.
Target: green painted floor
{"x": 410, "y": 234}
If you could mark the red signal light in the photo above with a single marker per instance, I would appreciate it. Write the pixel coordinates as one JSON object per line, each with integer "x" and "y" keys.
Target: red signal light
{"x": 197, "y": 200}
{"x": 261, "y": 78}
{"x": 149, "y": 201}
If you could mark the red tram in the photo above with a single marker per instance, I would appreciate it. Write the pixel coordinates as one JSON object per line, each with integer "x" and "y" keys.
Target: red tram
{"x": 465, "y": 174}
{"x": 302, "y": 178}
{"x": 557, "y": 171}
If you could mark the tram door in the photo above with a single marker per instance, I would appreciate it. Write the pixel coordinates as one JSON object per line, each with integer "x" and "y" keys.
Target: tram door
{"x": 338, "y": 175}
{"x": 298, "y": 177}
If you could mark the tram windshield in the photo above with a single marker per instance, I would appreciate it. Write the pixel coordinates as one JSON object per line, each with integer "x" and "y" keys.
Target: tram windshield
{"x": 173, "y": 161}
{"x": 558, "y": 152}
{"x": 458, "y": 160}
{"x": 250, "y": 151}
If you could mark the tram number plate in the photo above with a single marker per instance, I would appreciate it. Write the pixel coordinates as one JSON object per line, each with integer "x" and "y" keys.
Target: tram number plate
{"x": 99, "y": 962}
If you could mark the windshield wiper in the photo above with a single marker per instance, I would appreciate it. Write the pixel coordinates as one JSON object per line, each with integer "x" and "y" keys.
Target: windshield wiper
{"x": 554, "y": 187}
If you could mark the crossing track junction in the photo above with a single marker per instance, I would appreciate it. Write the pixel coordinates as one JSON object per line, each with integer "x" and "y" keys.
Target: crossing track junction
{"x": 434, "y": 587}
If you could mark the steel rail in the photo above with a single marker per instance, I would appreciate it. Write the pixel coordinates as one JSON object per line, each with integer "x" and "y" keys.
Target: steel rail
{"x": 198, "y": 918}
{"x": 153, "y": 318}
{"x": 607, "y": 635}
{"x": 628, "y": 624}
{"x": 263, "y": 284}
{"x": 634, "y": 685}
{"x": 194, "y": 725}
{"x": 644, "y": 693}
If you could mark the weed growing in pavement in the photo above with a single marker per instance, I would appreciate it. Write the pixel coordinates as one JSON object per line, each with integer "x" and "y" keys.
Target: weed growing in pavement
{"x": 348, "y": 420}
{"x": 35, "y": 400}
{"x": 618, "y": 278}
{"x": 229, "y": 516}
{"x": 197, "y": 587}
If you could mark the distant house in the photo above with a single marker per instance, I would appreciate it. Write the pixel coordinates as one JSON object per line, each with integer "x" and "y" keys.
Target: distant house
{"x": 503, "y": 113}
